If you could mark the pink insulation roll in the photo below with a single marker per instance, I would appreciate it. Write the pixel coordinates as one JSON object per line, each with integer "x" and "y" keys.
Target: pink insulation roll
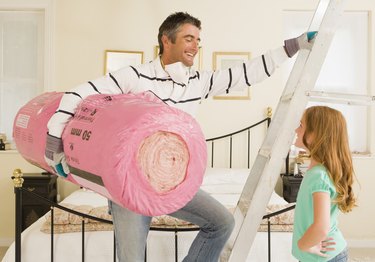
{"x": 133, "y": 149}
{"x": 30, "y": 128}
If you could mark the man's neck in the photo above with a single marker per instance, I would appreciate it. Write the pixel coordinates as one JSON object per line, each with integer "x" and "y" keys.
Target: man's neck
{"x": 161, "y": 62}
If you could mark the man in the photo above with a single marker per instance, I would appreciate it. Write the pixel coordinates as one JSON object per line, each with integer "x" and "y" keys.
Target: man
{"x": 170, "y": 77}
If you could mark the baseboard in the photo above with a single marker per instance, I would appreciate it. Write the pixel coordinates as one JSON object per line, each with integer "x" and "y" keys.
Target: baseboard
{"x": 6, "y": 241}
{"x": 361, "y": 243}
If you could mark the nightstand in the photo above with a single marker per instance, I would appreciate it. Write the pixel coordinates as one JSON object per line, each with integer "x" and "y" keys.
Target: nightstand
{"x": 290, "y": 187}
{"x": 43, "y": 184}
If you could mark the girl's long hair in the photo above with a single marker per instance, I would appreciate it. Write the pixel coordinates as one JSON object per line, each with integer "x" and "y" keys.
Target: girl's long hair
{"x": 329, "y": 145}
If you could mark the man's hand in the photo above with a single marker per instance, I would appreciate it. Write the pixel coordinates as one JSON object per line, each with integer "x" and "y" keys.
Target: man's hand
{"x": 55, "y": 157}
{"x": 304, "y": 41}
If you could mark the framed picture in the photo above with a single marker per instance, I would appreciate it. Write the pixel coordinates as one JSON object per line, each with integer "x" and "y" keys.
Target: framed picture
{"x": 156, "y": 51}
{"x": 197, "y": 59}
{"x": 116, "y": 59}
{"x": 225, "y": 60}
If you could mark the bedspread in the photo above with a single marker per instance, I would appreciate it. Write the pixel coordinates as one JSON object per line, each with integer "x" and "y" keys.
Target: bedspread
{"x": 67, "y": 223}
{"x": 160, "y": 244}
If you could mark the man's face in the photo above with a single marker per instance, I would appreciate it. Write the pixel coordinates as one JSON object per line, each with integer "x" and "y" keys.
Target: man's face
{"x": 185, "y": 47}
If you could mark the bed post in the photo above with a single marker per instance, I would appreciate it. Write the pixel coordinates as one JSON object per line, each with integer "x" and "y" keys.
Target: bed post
{"x": 17, "y": 181}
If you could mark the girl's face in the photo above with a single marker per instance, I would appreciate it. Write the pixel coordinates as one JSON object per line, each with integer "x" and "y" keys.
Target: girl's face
{"x": 300, "y": 132}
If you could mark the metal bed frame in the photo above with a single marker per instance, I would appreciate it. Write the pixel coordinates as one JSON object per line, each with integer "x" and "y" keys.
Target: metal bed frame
{"x": 20, "y": 191}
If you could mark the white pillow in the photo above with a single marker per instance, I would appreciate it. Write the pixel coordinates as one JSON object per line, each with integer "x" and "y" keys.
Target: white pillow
{"x": 215, "y": 176}
{"x": 226, "y": 185}
{"x": 86, "y": 197}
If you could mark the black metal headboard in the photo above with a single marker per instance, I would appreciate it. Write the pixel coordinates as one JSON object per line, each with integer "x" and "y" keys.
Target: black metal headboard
{"x": 229, "y": 139}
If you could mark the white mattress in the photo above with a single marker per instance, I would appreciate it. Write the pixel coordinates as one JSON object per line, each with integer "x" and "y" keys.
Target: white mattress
{"x": 224, "y": 184}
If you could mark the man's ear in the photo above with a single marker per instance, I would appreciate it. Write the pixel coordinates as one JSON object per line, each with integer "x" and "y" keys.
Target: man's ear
{"x": 165, "y": 41}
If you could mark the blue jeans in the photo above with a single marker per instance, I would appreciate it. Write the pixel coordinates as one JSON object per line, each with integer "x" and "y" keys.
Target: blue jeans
{"x": 341, "y": 257}
{"x": 215, "y": 221}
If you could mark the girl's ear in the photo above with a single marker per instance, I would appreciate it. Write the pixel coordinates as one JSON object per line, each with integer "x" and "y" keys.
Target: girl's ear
{"x": 309, "y": 139}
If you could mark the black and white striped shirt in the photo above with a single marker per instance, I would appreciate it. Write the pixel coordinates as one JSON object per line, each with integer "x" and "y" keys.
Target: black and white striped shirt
{"x": 151, "y": 76}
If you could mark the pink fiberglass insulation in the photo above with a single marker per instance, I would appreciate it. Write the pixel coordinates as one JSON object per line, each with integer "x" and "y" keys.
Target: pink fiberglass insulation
{"x": 30, "y": 128}
{"x": 135, "y": 150}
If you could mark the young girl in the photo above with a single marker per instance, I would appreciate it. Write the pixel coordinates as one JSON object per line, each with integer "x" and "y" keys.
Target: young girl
{"x": 326, "y": 187}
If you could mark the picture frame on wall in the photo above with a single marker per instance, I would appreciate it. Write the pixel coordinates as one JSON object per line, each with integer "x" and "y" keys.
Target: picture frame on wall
{"x": 156, "y": 51}
{"x": 225, "y": 60}
{"x": 116, "y": 59}
{"x": 197, "y": 60}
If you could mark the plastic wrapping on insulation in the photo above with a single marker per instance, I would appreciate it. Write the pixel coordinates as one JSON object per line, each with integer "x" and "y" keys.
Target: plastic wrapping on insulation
{"x": 132, "y": 148}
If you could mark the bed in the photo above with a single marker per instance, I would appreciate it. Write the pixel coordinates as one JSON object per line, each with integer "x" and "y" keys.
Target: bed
{"x": 169, "y": 239}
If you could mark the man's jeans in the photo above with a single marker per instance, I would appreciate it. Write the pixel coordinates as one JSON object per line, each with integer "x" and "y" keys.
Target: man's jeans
{"x": 215, "y": 221}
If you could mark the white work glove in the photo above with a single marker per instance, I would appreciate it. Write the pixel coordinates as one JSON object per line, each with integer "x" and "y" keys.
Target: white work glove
{"x": 293, "y": 45}
{"x": 55, "y": 157}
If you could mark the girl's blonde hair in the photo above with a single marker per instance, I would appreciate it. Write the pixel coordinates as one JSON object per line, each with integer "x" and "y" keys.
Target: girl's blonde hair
{"x": 329, "y": 146}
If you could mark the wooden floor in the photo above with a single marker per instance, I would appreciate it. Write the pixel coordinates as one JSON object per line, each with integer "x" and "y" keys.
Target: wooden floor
{"x": 356, "y": 255}
{"x": 361, "y": 254}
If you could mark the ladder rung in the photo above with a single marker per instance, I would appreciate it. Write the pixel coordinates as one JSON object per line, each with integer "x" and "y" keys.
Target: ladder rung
{"x": 350, "y": 99}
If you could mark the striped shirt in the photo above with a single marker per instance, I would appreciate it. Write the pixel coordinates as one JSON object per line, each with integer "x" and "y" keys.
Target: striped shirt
{"x": 152, "y": 77}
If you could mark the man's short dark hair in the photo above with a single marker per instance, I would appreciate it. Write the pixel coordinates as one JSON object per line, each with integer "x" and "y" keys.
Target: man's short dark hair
{"x": 171, "y": 25}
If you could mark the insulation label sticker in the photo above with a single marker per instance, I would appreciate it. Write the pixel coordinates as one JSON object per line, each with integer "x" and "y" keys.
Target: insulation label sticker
{"x": 22, "y": 120}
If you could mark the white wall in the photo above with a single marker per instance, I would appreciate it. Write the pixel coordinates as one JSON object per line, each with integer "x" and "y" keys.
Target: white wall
{"x": 85, "y": 28}
{"x": 133, "y": 25}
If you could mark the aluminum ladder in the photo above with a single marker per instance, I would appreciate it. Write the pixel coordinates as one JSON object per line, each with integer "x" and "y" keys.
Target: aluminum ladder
{"x": 266, "y": 169}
